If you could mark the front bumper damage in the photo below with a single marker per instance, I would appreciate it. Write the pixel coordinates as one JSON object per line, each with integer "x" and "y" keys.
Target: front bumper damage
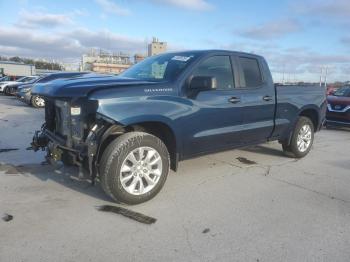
{"x": 84, "y": 156}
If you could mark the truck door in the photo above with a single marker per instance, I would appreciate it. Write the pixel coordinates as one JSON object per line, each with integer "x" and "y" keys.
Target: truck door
{"x": 257, "y": 95}
{"x": 217, "y": 120}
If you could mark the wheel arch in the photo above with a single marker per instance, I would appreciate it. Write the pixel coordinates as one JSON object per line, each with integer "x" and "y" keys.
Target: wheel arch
{"x": 313, "y": 114}
{"x": 308, "y": 111}
{"x": 157, "y": 128}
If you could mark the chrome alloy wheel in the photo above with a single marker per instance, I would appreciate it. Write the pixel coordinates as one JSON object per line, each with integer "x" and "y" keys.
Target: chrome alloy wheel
{"x": 39, "y": 101}
{"x": 141, "y": 170}
{"x": 304, "y": 138}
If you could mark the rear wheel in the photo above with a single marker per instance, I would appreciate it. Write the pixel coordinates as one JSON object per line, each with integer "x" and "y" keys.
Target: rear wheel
{"x": 134, "y": 167}
{"x": 37, "y": 101}
{"x": 302, "y": 139}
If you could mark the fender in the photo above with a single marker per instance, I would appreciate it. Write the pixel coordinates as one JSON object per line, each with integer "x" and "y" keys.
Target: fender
{"x": 166, "y": 110}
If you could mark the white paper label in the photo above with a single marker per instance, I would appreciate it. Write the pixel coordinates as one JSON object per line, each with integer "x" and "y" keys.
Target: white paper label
{"x": 75, "y": 111}
{"x": 181, "y": 58}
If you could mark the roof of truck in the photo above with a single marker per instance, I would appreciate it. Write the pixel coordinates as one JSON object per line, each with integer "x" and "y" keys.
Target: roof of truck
{"x": 213, "y": 51}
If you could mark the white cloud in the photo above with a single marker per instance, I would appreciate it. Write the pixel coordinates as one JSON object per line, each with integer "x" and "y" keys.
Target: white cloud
{"x": 329, "y": 8}
{"x": 273, "y": 29}
{"x": 106, "y": 40}
{"x": 197, "y": 5}
{"x": 63, "y": 45}
{"x": 40, "y": 19}
{"x": 108, "y": 6}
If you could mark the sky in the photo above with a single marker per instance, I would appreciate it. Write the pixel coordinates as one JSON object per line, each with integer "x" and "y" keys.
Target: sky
{"x": 297, "y": 37}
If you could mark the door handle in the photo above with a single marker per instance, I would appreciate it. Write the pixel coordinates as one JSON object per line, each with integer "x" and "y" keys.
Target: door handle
{"x": 267, "y": 98}
{"x": 234, "y": 99}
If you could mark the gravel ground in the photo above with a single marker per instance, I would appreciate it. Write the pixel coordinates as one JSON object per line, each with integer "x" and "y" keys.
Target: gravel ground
{"x": 215, "y": 208}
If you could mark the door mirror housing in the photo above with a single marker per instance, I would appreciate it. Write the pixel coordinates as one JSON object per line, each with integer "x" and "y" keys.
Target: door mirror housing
{"x": 202, "y": 83}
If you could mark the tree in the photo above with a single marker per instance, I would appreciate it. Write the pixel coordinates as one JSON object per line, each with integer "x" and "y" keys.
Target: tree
{"x": 16, "y": 59}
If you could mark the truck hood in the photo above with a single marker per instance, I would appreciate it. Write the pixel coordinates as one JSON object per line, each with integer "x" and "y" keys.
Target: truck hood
{"x": 82, "y": 86}
{"x": 339, "y": 100}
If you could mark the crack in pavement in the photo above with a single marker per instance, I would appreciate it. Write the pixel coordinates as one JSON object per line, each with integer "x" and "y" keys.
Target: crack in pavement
{"x": 303, "y": 187}
{"x": 224, "y": 162}
{"x": 189, "y": 243}
{"x": 267, "y": 171}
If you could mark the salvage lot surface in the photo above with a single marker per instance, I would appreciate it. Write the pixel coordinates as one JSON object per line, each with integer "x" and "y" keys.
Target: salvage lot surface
{"x": 215, "y": 208}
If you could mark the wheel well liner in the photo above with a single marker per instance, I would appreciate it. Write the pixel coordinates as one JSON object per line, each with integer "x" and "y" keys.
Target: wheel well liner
{"x": 312, "y": 114}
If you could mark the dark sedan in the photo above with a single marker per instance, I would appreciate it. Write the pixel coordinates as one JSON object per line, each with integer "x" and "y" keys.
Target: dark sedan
{"x": 338, "y": 108}
{"x": 24, "y": 91}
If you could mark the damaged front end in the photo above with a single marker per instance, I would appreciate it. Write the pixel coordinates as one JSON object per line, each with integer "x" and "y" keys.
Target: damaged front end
{"x": 71, "y": 133}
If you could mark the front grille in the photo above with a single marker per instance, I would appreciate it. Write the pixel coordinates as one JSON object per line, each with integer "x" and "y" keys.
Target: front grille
{"x": 73, "y": 128}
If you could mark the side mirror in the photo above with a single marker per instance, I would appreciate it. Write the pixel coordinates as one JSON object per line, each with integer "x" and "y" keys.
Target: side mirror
{"x": 202, "y": 83}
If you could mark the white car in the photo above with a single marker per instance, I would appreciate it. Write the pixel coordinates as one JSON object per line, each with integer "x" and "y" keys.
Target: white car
{"x": 4, "y": 83}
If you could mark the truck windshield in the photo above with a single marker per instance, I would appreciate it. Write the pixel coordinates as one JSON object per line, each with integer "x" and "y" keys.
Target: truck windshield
{"x": 166, "y": 67}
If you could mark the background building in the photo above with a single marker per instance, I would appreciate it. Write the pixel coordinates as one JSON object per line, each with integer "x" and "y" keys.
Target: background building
{"x": 105, "y": 62}
{"x": 138, "y": 58}
{"x": 109, "y": 68}
{"x": 16, "y": 69}
{"x": 156, "y": 47}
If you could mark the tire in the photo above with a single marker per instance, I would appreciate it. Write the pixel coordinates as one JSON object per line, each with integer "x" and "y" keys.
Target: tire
{"x": 36, "y": 101}
{"x": 303, "y": 134}
{"x": 6, "y": 91}
{"x": 12, "y": 91}
{"x": 117, "y": 155}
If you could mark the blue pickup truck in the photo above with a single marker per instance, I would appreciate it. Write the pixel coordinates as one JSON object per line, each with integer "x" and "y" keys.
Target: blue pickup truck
{"x": 128, "y": 131}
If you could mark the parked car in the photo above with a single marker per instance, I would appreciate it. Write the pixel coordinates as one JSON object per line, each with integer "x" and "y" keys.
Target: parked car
{"x": 338, "y": 108}
{"x": 9, "y": 78}
{"x": 127, "y": 131}
{"x": 24, "y": 92}
{"x": 5, "y": 85}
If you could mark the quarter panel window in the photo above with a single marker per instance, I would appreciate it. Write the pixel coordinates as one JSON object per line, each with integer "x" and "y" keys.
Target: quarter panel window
{"x": 218, "y": 67}
{"x": 251, "y": 72}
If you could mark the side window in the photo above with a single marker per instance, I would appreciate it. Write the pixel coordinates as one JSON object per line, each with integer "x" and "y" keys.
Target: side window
{"x": 218, "y": 67}
{"x": 251, "y": 72}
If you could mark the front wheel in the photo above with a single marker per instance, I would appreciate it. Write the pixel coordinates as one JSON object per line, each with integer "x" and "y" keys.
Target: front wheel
{"x": 134, "y": 167}
{"x": 7, "y": 90}
{"x": 302, "y": 139}
{"x": 37, "y": 101}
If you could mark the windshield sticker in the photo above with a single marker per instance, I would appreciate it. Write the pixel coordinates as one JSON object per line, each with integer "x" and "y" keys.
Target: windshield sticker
{"x": 181, "y": 58}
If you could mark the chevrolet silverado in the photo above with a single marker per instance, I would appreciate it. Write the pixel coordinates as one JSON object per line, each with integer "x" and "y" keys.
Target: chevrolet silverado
{"x": 127, "y": 131}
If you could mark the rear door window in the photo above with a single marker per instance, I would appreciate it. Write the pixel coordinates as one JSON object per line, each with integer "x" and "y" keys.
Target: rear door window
{"x": 251, "y": 72}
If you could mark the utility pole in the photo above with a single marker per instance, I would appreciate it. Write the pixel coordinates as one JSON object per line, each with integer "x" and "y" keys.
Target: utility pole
{"x": 321, "y": 76}
{"x": 325, "y": 77}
